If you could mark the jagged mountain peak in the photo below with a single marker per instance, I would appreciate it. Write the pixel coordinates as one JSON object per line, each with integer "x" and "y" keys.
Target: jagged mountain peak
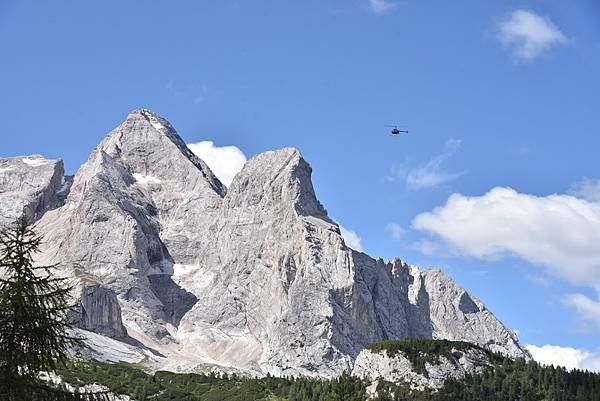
{"x": 155, "y": 119}
{"x": 29, "y": 186}
{"x": 138, "y": 120}
{"x": 256, "y": 277}
{"x": 150, "y": 146}
{"x": 274, "y": 179}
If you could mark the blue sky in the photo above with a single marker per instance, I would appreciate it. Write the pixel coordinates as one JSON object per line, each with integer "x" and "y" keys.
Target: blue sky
{"x": 496, "y": 94}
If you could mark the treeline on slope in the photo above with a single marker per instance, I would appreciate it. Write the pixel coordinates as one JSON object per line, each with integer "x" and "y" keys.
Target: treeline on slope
{"x": 507, "y": 381}
{"x": 168, "y": 386}
{"x": 420, "y": 351}
{"x": 510, "y": 380}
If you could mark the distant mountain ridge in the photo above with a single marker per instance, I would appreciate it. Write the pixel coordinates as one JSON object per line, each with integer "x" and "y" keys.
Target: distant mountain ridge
{"x": 254, "y": 277}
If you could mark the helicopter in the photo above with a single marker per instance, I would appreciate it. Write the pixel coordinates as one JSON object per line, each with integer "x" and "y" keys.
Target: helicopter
{"x": 395, "y": 131}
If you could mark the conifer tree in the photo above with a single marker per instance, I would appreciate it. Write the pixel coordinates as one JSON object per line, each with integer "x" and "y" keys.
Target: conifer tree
{"x": 35, "y": 332}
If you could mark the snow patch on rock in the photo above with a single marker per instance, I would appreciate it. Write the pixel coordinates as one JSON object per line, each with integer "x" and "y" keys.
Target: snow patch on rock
{"x": 36, "y": 160}
{"x": 146, "y": 179}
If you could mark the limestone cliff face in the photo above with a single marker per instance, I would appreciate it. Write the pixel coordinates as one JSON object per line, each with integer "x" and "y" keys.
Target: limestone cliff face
{"x": 29, "y": 186}
{"x": 181, "y": 188}
{"x": 398, "y": 369}
{"x": 264, "y": 298}
{"x": 256, "y": 277}
{"x": 280, "y": 291}
{"x": 139, "y": 189}
{"x": 100, "y": 312}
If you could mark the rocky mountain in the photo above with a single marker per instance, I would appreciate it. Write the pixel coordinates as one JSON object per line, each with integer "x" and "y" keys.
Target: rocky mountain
{"x": 405, "y": 363}
{"x": 29, "y": 186}
{"x": 254, "y": 277}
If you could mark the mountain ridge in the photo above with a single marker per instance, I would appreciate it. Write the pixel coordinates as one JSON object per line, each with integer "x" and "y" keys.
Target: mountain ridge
{"x": 255, "y": 277}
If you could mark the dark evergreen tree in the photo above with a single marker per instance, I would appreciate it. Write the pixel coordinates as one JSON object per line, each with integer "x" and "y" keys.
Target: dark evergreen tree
{"x": 34, "y": 330}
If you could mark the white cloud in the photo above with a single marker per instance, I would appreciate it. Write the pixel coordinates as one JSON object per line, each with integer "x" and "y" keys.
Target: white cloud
{"x": 587, "y": 188}
{"x": 382, "y": 6}
{"x": 196, "y": 92}
{"x": 570, "y": 358}
{"x": 529, "y": 34}
{"x": 430, "y": 174}
{"x": 559, "y": 232}
{"x": 398, "y": 172}
{"x": 588, "y": 309}
{"x": 225, "y": 161}
{"x": 201, "y": 95}
{"x": 428, "y": 247}
{"x": 351, "y": 239}
{"x": 395, "y": 230}
{"x": 538, "y": 279}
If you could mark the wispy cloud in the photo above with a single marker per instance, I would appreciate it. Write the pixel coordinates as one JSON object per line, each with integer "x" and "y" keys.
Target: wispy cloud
{"x": 587, "y": 188}
{"x": 195, "y": 93}
{"x": 201, "y": 94}
{"x": 428, "y": 247}
{"x": 538, "y": 279}
{"x": 588, "y": 309}
{"x": 382, "y": 7}
{"x": 429, "y": 175}
{"x": 528, "y": 34}
{"x": 521, "y": 151}
{"x": 395, "y": 230}
{"x": 351, "y": 239}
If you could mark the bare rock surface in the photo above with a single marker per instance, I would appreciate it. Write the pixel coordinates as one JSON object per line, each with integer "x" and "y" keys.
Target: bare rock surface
{"x": 256, "y": 277}
{"x": 100, "y": 312}
{"x": 29, "y": 186}
{"x": 398, "y": 369}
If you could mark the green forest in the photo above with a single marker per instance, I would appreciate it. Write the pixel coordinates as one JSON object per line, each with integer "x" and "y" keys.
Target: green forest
{"x": 506, "y": 380}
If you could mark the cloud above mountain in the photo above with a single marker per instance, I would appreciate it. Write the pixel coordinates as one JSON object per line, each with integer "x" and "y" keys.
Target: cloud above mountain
{"x": 395, "y": 231}
{"x": 431, "y": 174}
{"x": 567, "y": 357}
{"x": 528, "y": 35}
{"x": 588, "y": 308}
{"x": 224, "y": 161}
{"x": 559, "y": 233}
{"x": 382, "y": 7}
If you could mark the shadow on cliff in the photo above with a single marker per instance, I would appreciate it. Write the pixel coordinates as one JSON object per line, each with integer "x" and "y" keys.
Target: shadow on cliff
{"x": 176, "y": 300}
{"x": 136, "y": 343}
